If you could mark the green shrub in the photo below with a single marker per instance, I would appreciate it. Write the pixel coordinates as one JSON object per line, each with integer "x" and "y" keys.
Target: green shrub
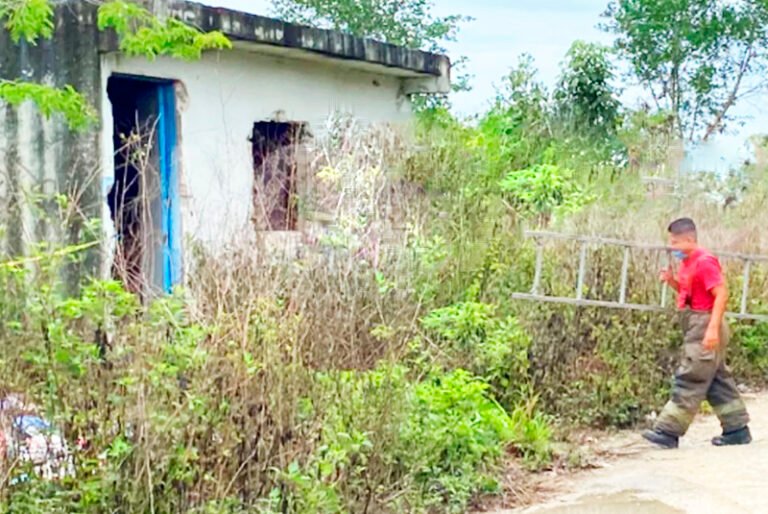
{"x": 749, "y": 351}
{"x": 441, "y": 440}
{"x": 532, "y": 436}
{"x": 492, "y": 347}
{"x": 542, "y": 190}
{"x": 454, "y": 435}
{"x": 359, "y": 415}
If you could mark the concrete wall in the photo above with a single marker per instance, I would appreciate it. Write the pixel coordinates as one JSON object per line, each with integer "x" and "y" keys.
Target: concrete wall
{"x": 41, "y": 156}
{"x": 219, "y": 99}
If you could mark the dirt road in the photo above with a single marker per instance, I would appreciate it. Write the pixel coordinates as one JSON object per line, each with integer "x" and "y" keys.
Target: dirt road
{"x": 697, "y": 478}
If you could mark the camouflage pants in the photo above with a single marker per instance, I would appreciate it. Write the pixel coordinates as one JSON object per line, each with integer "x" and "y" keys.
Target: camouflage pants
{"x": 702, "y": 374}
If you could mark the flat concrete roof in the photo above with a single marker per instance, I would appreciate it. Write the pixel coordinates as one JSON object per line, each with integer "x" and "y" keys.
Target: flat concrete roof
{"x": 251, "y": 28}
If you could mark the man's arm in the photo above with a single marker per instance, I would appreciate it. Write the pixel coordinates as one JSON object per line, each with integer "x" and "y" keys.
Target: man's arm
{"x": 712, "y": 337}
{"x": 668, "y": 276}
{"x": 673, "y": 283}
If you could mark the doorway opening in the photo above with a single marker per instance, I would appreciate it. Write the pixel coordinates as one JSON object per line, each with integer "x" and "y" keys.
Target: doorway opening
{"x": 143, "y": 200}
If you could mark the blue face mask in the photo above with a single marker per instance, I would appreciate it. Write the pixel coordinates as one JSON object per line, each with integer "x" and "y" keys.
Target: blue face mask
{"x": 677, "y": 254}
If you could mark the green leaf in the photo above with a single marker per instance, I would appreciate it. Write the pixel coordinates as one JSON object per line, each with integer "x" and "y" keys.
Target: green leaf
{"x": 49, "y": 100}
{"x": 141, "y": 34}
{"x": 27, "y": 19}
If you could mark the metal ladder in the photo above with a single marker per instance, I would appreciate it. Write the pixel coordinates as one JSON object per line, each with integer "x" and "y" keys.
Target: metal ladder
{"x": 541, "y": 238}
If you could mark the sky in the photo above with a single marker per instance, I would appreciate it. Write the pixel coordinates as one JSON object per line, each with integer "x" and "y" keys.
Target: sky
{"x": 503, "y": 30}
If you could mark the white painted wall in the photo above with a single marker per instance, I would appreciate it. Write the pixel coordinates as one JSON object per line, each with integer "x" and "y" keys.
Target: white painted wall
{"x": 220, "y": 97}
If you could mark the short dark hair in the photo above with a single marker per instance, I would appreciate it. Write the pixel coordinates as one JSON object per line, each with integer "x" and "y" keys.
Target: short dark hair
{"x": 682, "y": 226}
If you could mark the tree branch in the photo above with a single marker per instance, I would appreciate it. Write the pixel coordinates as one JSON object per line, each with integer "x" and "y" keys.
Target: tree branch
{"x": 655, "y": 97}
{"x": 743, "y": 66}
{"x": 755, "y": 89}
{"x": 695, "y": 119}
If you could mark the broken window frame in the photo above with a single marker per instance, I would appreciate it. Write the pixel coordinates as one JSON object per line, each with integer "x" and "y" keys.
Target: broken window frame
{"x": 276, "y": 147}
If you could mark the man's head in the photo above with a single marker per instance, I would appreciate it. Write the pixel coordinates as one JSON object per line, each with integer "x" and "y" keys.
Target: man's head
{"x": 682, "y": 236}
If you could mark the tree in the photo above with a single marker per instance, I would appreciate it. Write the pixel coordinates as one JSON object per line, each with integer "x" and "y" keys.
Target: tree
{"x": 406, "y": 23}
{"x": 140, "y": 33}
{"x": 697, "y": 58}
{"x": 585, "y": 99}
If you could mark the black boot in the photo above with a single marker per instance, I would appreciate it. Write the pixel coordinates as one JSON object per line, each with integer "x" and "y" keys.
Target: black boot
{"x": 740, "y": 436}
{"x": 661, "y": 438}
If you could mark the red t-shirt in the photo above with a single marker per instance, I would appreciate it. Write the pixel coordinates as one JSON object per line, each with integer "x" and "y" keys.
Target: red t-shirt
{"x": 699, "y": 274}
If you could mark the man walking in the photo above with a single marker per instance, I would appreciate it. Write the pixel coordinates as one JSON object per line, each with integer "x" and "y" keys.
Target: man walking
{"x": 702, "y": 296}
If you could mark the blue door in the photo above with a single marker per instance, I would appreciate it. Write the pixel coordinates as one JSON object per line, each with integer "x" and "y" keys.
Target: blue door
{"x": 169, "y": 185}
{"x": 147, "y": 106}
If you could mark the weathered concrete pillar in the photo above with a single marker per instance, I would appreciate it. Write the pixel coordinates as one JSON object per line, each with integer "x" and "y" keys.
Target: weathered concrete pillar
{"x": 44, "y": 156}
{"x": 159, "y": 8}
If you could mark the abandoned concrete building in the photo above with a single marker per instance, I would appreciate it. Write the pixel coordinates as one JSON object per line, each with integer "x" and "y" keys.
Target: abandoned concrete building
{"x": 183, "y": 147}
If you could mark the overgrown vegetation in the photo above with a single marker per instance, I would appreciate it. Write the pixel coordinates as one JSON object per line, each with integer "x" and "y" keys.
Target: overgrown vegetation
{"x": 388, "y": 369}
{"x": 391, "y": 378}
